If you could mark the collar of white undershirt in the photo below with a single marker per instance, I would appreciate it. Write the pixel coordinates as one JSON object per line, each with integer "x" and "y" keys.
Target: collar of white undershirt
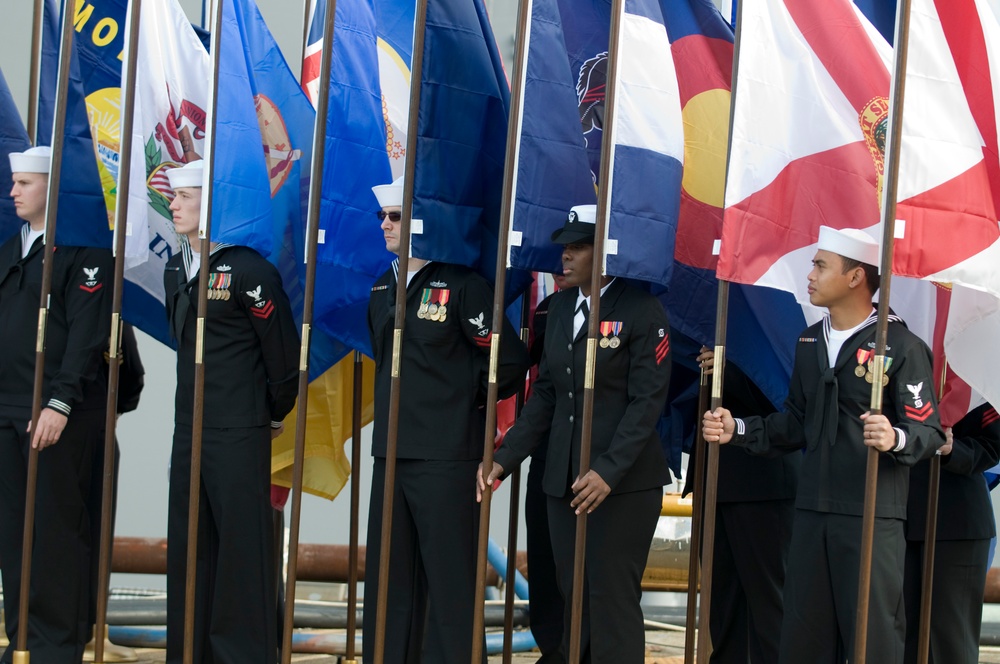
{"x": 580, "y": 297}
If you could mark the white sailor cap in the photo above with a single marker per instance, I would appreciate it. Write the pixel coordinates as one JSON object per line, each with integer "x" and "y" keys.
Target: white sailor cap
{"x": 32, "y": 160}
{"x": 581, "y": 223}
{"x": 188, "y": 175}
{"x": 390, "y": 195}
{"x": 850, "y": 243}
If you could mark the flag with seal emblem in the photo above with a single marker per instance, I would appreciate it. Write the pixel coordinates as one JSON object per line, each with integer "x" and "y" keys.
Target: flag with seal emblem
{"x": 13, "y": 138}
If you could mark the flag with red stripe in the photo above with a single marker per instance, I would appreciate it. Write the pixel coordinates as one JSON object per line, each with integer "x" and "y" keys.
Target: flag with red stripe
{"x": 949, "y": 179}
{"x": 809, "y": 120}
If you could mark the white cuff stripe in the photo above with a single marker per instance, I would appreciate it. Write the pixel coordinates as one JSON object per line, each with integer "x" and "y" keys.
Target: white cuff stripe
{"x": 741, "y": 427}
{"x": 275, "y": 425}
{"x": 63, "y": 408}
{"x": 901, "y": 437}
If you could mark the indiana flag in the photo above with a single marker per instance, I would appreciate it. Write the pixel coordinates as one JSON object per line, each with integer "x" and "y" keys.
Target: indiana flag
{"x": 171, "y": 96}
{"x": 809, "y": 129}
{"x": 949, "y": 177}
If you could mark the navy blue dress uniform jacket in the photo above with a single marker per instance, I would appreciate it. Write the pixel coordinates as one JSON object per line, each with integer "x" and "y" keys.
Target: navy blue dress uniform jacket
{"x": 77, "y": 330}
{"x": 965, "y": 511}
{"x": 823, "y": 412}
{"x": 631, "y": 384}
{"x": 251, "y": 341}
{"x": 444, "y": 365}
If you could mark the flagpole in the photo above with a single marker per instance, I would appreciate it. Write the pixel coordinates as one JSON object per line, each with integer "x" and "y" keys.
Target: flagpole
{"x": 35, "y": 73}
{"x": 697, "y": 517}
{"x": 21, "y": 654}
{"x": 306, "y": 24}
{"x": 198, "y": 412}
{"x": 515, "y": 501}
{"x": 882, "y": 326}
{"x": 593, "y": 321}
{"x": 115, "y": 347}
{"x": 499, "y": 292}
{"x": 352, "y": 556}
{"x": 930, "y": 545}
{"x": 718, "y": 376}
{"x": 312, "y": 242}
{"x": 930, "y": 542}
{"x": 392, "y": 432}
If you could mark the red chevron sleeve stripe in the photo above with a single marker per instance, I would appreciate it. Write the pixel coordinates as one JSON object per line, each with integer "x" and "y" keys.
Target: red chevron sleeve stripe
{"x": 989, "y": 417}
{"x": 662, "y": 349}
{"x": 919, "y": 414}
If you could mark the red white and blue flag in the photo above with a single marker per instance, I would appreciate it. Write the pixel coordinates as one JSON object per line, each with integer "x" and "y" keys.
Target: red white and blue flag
{"x": 949, "y": 178}
{"x": 809, "y": 129}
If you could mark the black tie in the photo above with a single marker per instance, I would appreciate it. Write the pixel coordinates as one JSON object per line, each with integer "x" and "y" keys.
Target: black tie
{"x": 585, "y": 310}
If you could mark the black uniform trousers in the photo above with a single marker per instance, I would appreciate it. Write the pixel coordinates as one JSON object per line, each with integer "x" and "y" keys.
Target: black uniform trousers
{"x": 823, "y": 566}
{"x": 435, "y": 533}
{"x": 545, "y": 602}
{"x": 60, "y": 559}
{"x": 235, "y": 616}
{"x": 751, "y": 549}
{"x": 618, "y": 535}
{"x": 960, "y": 568}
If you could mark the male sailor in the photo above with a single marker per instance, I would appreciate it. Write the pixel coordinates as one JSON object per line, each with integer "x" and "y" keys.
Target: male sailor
{"x": 827, "y": 413}
{"x": 251, "y": 353}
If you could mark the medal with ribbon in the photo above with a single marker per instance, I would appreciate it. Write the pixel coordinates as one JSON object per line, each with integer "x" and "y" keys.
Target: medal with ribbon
{"x": 218, "y": 285}
{"x": 864, "y": 356}
{"x": 616, "y": 329}
{"x": 605, "y": 331}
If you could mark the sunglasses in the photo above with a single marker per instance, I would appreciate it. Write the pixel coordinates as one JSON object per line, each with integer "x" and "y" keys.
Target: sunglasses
{"x": 393, "y": 216}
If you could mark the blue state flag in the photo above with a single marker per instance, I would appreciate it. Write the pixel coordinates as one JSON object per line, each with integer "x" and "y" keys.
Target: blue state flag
{"x": 462, "y": 138}
{"x": 263, "y": 150}
{"x": 353, "y": 253}
{"x": 90, "y": 151}
{"x": 553, "y": 172}
{"x": 13, "y": 138}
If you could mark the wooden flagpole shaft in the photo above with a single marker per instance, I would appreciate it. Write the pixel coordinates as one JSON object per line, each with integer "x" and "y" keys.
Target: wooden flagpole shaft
{"x": 352, "y": 556}
{"x": 21, "y": 655}
{"x": 35, "y": 72}
{"x": 718, "y": 375}
{"x": 499, "y": 292}
{"x": 302, "y": 407}
{"x": 515, "y": 501}
{"x": 392, "y": 428}
{"x": 697, "y": 517}
{"x": 114, "y": 351}
{"x": 712, "y": 479}
{"x": 930, "y": 546}
{"x": 586, "y": 430}
{"x": 198, "y": 412}
{"x": 893, "y": 150}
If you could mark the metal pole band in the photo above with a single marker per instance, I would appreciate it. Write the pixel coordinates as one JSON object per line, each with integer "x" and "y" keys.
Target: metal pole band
{"x": 43, "y": 315}
{"x": 494, "y": 357}
{"x": 878, "y": 369}
{"x": 304, "y": 349}
{"x": 22, "y": 657}
{"x": 199, "y": 344}
{"x": 115, "y": 334}
{"x": 397, "y": 343}
{"x": 720, "y": 358}
{"x": 588, "y": 378}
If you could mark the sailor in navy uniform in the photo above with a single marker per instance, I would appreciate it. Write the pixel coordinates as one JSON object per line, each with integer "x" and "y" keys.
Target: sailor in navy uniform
{"x": 964, "y": 529}
{"x": 71, "y": 424}
{"x": 251, "y": 353}
{"x": 623, "y": 491}
{"x": 826, "y": 413}
{"x": 443, "y": 381}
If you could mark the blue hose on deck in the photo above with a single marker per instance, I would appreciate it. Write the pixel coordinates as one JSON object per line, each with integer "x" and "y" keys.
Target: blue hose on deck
{"x": 318, "y": 642}
{"x": 498, "y": 559}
